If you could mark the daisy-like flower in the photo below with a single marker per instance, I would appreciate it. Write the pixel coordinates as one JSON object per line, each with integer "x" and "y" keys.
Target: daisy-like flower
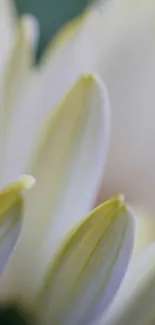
{"x": 65, "y": 268}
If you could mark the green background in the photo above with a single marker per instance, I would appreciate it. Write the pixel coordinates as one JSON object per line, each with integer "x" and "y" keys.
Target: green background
{"x": 51, "y": 14}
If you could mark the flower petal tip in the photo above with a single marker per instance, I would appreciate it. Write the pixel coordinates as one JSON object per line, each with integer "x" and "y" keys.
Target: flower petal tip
{"x": 32, "y": 27}
{"x": 27, "y": 181}
{"x": 91, "y": 77}
{"x": 121, "y": 198}
{"x": 87, "y": 78}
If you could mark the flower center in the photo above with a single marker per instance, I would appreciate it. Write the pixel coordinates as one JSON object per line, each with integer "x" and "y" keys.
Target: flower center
{"x": 11, "y": 315}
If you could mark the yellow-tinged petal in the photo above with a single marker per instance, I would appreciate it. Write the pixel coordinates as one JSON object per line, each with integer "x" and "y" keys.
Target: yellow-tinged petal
{"x": 68, "y": 168}
{"x": 20, "y": 62}
{"x": 84, "y": 276}
{"x": 63, "y": 62}
{"x": 57, "y": 72}
{"x": 7, "y": 34}
{"x": 10, "y": 194}
{"x": 10, "y": 226}
{"x": 10, "y": 216}
{"x": 7, "y": 29}
{"x": 60, "y": 67}
{"x": 64, "y": 36}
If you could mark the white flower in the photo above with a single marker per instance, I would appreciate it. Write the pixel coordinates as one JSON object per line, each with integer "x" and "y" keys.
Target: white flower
{"x": 66, "y": 268}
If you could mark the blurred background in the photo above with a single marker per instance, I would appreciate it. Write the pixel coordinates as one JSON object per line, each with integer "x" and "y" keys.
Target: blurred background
{"x": 52, "y": 14}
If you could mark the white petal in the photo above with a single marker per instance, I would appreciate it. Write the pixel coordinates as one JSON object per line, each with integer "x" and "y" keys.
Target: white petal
{"x": 134, "y": 304}
{"x": 10, "y": 216}
{"x": 87, "y": 272}
{"x": 9, "y": 233}
{"x": 60, "y": 67}
{"x": 127, "y": 64}
{"x": 145, "y": 230}
{"x": 7, "y": 29}
{"x": 68, "y": 171}
{"x": 18, "y": 80}
{"x": 20, "y": 61}
{"x": 7, "y": 34}
{"x": 68, "y": 56}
